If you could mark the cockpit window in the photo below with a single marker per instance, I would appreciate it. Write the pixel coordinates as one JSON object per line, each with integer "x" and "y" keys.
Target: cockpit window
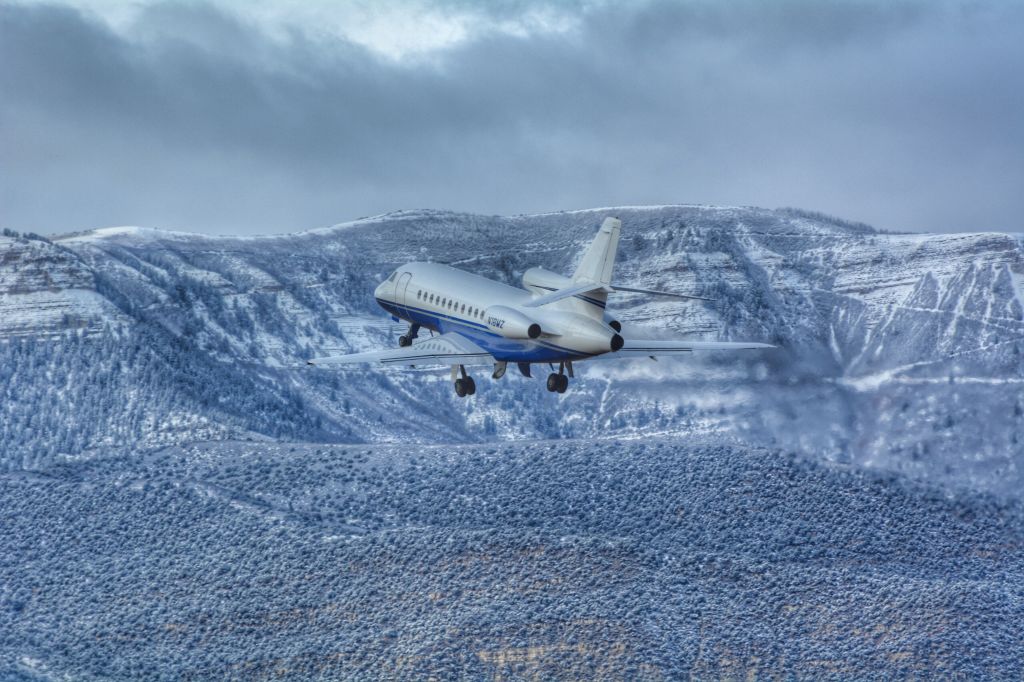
{"x": 393, "y": 275}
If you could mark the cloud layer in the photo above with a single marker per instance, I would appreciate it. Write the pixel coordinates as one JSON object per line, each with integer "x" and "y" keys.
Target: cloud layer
{"x": 904, "y": 115}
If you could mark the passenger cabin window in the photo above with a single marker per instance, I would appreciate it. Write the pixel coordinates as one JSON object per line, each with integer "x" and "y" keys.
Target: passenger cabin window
{"x": 463, "y": 308}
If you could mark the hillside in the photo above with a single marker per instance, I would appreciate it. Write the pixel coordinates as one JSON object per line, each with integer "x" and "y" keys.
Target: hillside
{"x": 182, "y": 497}
{"x": 546, "y": 560}
{"x": 893, "y": 347}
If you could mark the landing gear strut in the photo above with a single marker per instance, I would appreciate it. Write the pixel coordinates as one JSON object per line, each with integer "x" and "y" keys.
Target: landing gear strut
{"x": 407, "y": 339}
{"x": 559, "y": 382}
{"x": 464, "y": 384}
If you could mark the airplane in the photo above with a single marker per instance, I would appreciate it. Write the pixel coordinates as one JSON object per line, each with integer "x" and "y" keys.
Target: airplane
{"x": 555, "y": 319}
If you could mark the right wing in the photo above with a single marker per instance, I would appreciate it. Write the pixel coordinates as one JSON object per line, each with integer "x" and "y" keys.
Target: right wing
{"x": 635, "y": 348}
{"x": 633, "y": 290}
{"x": 446, "y": 349}
{"x": 586, "y": 287}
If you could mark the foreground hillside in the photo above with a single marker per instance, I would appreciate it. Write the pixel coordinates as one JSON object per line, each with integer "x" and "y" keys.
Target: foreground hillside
{"x": 546, "y": 560}
{"x": 901, "y": 352}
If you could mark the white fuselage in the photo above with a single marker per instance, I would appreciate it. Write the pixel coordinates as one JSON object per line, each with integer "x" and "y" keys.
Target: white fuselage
{"x": 496, "y": 316}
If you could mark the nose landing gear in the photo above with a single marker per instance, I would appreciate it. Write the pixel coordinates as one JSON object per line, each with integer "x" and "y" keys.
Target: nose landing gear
{"x": 407, "y": 339}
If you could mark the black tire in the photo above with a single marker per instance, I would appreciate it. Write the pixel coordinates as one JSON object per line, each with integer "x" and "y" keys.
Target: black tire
{"x": 553, "y": 382}
{"x": 470, "y": 385}
{"x": 404, "y": 341}
{"x": 460, "y": 388}
{"x": 563, "y": 383}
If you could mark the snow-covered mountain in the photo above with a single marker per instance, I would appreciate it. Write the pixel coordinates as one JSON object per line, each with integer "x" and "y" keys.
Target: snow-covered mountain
{"x": 896, "y": 351}
{"x": 183, "y": 499}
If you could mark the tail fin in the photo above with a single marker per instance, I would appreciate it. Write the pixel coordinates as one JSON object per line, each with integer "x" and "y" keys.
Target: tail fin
{"x": 599, "y": 258}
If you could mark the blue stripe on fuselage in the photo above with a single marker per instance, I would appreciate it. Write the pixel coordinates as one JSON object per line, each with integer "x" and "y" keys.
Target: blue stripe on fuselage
{"x": 502, "y": 348}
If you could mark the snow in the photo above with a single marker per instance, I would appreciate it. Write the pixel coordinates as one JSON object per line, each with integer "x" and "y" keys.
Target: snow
{"x": 861, "y": 320}
{"x": 129, "y": 231}
{"x": 153, "y": 394}
{"x": 335, "y": 560}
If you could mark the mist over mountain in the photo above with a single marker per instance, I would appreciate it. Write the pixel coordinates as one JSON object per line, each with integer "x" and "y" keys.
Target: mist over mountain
{"x": 184, "y": 498}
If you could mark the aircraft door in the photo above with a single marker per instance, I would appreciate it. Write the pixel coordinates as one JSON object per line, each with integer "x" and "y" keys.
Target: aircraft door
{"x": 400, "y": 289}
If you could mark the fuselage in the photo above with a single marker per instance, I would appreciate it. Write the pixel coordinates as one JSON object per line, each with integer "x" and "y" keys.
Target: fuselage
{"x": 491, "y": 314}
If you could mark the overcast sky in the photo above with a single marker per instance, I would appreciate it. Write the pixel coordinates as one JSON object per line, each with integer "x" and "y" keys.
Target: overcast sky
{"x": 237, "y": 116}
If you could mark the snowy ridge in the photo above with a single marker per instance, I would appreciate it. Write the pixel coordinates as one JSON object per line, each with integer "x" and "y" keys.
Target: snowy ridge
{"x": 182, "y": 498}
{"x": 894, "y": 348}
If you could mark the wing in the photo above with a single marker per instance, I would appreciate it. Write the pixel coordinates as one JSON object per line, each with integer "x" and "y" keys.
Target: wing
{"x": 586, "y": 287}
{"x": 616, "y": 287}
{"x": 446, "y": 349}
{"x": 642, "y": 348}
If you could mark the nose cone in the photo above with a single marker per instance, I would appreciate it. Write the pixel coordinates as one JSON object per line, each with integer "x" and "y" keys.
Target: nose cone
{"x": 379, "y": 291}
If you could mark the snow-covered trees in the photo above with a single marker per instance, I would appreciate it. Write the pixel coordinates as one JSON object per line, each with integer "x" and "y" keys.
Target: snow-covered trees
{"x": 563, "y": 559}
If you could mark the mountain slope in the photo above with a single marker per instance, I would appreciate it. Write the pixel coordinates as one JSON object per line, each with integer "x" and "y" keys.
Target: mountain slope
{"x": 550, "y": 560}
{"x": 900, "y": 351}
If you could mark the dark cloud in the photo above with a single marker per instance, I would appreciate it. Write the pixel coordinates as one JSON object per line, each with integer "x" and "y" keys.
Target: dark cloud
{"x": 905, "y": 115}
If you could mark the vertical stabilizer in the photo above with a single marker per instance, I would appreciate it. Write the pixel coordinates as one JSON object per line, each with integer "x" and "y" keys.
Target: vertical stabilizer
{"x": 599, "y": 258}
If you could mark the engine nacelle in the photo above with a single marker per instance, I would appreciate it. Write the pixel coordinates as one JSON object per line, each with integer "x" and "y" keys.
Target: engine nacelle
{"x": 613, "y": 323}
{"x": 511, "y": 323}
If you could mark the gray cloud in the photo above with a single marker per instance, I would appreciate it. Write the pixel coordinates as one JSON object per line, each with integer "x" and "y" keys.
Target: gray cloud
{"x": 903, "y": 115}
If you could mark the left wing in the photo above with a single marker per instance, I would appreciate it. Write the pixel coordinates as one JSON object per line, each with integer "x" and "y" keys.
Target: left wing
{"x": 636, "y": 348}
{"x": 446, "y": 349}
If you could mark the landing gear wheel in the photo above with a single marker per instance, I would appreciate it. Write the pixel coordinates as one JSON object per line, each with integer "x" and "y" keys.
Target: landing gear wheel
{"x": 563, "y": 383}
{"x": 404, "y": 341}
{"x": 460, "y": 388}
{"x": 553, "y": 382}
{"x": 469, "y": 385}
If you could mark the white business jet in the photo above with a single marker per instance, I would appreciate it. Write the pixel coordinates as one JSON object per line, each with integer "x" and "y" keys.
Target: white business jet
{"x": 555, "y": 319}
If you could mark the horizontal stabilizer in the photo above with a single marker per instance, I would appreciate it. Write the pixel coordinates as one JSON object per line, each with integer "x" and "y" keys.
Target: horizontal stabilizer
{"x": 564, "y": 293}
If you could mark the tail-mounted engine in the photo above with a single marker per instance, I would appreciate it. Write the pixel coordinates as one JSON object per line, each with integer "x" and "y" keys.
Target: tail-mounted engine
{"x": 511, "y": 323}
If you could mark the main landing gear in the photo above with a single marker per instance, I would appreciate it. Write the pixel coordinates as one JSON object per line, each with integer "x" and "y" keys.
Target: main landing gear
{"x": 464, "y": 384}
{"x": 407, "y": 339}
{"x": 558, "y": 383}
